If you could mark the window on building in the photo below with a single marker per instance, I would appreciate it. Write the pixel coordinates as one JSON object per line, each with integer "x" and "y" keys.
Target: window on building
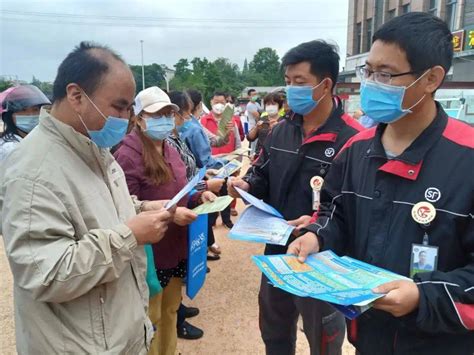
{"x": 358, "y": 42}
{"x": 369, "y": 35}
{"x": 433, "y": 7}
{"x": 406, "y": 9}
{"x": 390, "y": 14}
{"x": 451, "y": 14}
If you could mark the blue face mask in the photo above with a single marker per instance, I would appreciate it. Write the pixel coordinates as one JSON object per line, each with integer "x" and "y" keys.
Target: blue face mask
{"x": 111, "y": 134}
{"x": 26, "y": 123}
{"x": 300, "y": 98}
{"x": 185, "y": 126}
{"x": 158, "y": 128}
{"x": 383, "y": 102}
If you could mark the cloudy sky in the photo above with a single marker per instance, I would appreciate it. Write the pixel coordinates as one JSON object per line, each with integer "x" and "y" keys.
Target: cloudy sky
{"x": 35, "y": 35}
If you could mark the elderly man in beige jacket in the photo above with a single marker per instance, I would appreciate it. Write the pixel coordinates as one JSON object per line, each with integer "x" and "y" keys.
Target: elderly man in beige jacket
{"x": 73, "y": 235}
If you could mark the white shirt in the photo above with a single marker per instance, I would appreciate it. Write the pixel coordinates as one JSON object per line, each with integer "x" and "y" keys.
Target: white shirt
{"x": 6, "y": 147}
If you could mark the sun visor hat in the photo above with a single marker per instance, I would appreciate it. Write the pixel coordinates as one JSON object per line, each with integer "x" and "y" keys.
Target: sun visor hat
{"x": 21, "y": 97}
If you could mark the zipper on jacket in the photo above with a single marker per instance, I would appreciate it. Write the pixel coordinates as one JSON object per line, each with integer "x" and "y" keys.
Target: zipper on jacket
{"x": 103, "y": 321}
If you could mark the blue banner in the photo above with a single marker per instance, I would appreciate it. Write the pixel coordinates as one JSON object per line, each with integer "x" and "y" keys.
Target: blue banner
{"x": 197, "y": 255}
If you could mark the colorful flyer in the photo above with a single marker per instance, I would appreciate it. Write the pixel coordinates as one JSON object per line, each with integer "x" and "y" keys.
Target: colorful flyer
{"x": 345, "y": 282}
{"x": 218, "y": 205}
{"x": 228, "y": 169}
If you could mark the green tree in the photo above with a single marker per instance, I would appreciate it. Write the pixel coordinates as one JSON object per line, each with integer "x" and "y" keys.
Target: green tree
{"x": 5, "y": 84}
{"x": 265, "y": 68}
{"x": 154, "y": 76}
{"x": 45, "y": 87}
{"x": 245, "y": 67}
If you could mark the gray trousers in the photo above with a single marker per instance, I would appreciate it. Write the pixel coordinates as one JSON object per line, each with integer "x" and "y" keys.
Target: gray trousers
{"x": 323, "y": 325}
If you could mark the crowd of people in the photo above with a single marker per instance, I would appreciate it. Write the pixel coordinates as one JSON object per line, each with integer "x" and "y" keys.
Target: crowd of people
{"x": 84, "y": 183}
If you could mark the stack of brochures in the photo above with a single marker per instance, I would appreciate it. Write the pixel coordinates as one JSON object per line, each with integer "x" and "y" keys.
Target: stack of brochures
{"x": 344, "y": 282}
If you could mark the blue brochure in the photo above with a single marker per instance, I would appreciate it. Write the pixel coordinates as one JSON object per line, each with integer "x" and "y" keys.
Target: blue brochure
{"x": 197, "y": 255}
{"x": 345, "y": 282}
{"x": 260, "y": 223}
{"x": 187, "y": 188}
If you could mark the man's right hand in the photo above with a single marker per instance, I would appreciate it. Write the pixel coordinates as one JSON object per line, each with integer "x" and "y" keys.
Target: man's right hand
{"x": 150, "y": 227}
{"x": 303, "y": 246}
{"x": 236, "y": 182}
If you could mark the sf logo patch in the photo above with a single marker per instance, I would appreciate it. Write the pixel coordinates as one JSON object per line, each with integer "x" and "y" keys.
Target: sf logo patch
{"x": 329, "y": 152}
{"x": 432, "y": 194}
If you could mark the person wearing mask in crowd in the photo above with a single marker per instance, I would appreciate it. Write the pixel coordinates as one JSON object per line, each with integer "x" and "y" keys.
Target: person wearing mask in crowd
{"x": 211, "y": 122}
{"x": 270, "y": 117}
{"x": 20, "y": 108}
{"x": 154, "y": 171}
{"x": 299, "y": 150}
{"x": 253, "y": 111}
{"x": 182, "y": 120}
{"x": 401, "y": 187}
{"x": 71, "y": 230}
{"x": 200, "y": 141}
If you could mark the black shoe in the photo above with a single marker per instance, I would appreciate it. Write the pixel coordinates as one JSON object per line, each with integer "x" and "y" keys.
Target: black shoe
{"x": 189, "y": 331}
{"x": 190, "y": 312}
{"x": 213, "y": 257}
{"x": 208, "y": 270}
{"x": 229, "y": 224}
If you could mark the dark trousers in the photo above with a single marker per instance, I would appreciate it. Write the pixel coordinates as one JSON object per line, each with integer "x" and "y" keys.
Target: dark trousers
{"x": 225, "y": 214}
{"x": 324, "y": 327}
{"x": 210, "y": 232}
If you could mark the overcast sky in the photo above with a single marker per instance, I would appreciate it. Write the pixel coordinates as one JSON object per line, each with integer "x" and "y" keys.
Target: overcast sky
{"x": 35, "y": 36}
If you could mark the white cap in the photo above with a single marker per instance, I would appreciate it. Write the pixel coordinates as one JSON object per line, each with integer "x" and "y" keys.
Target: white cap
{"x": 151, "y": 100}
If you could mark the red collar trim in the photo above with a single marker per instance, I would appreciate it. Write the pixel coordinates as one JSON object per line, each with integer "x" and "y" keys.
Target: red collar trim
{"x": 402, "y": 169}
{"x": 323, "y": 137}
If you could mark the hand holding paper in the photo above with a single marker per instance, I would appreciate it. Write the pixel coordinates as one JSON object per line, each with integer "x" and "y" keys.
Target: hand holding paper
{"x": 260, "y": 223}
{"x": 187, "y": 188}
{"x": 219, "y": 204}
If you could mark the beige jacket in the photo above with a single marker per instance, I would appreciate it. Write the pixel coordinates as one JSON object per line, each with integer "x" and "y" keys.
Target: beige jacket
{"x": 79, "y": 275}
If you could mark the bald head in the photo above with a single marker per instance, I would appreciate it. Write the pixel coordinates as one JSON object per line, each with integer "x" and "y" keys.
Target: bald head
{"x": 87, "y": 66}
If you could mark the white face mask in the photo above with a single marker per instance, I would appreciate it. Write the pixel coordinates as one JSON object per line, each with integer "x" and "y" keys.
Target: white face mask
{"x": 271, "y": 109}
{"x": 218, "y": 108}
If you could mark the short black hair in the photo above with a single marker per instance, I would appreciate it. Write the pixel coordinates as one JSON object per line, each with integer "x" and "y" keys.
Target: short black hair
{"x": 425, "y": 39}
{"x": 219, "y": 93}
{"x": 250, "y": 91}
{"x": 195, "y": 97}
{"x": 322, "y": 57}
{"x": 181, "y": 99}
{"x": 83, "y": 67}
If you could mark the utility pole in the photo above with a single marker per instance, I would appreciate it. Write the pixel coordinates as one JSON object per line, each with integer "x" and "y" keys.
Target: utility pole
{"x": 143, "y": 68}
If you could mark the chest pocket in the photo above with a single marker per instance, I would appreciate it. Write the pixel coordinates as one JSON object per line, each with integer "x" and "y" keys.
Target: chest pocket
{"x": 120, "y": 194}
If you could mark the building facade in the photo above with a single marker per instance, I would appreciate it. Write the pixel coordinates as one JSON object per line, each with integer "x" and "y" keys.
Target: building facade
{"x": 366, "y": 16}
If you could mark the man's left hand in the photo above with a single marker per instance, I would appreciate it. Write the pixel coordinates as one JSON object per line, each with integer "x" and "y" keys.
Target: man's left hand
{"x": 300, "y": 223}
{"x": 402, "y": 297}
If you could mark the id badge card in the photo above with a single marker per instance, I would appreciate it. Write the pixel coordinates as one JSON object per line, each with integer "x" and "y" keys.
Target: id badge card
{"x": 424, "y": 258}
{"x": 316, "y": 198}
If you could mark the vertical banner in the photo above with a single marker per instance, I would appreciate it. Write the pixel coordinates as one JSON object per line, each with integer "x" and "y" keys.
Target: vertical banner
{"x": 197, "y": 255}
